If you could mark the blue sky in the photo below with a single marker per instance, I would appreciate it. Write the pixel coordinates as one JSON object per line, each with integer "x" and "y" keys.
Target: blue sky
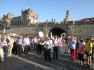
{"x": 50, "y": 9}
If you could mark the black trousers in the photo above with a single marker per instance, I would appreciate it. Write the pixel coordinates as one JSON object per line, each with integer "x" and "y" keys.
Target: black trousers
{"x": 93, "y": 54}
{"x": 35, "y": 46}
{"x": 39, "y": 48}
{"x": 14, "y": 50}
{"x": 55, "y": 52}
{"x": 5, "y": 49}
{"x": 19, "y": 49}
{"x": 47, "y": 54}
{"x": 26, "y": 49}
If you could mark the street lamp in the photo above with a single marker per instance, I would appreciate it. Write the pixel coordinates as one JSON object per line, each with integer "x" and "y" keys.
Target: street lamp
{"x": 72, "y": 30}
{"x": 37, "y": 28}
{"x": 46, "y": 28}
{"x": 4, "y": 31}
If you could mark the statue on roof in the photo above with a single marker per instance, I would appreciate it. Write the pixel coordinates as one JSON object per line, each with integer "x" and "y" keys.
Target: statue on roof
{"x": 67, "y": 18}
{"x": 6, "y": 20}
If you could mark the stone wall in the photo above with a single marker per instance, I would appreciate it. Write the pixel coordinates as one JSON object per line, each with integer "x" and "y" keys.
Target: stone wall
{"x": 83, "y": 30}
{"x": 33, "y": 29}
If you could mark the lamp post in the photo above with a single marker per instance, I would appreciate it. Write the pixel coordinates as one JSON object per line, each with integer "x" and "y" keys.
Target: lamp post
{"x": 37, "y": 28}
{"x": 4, "y": 31}
{"x": 72, "y": 30}
{"x": 46, "y": 28}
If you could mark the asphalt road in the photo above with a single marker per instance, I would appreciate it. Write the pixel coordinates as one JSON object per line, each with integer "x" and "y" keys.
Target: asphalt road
{"x": 34, "y": 61}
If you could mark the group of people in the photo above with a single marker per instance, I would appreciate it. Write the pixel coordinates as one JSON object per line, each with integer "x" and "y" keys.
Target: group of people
{"x": 21, "y": 45}
{"x": 13, "y": 45}
{"x": 81, "y": 49}
{"x": 6, "y": 44}
{"x": 50, "y": 45}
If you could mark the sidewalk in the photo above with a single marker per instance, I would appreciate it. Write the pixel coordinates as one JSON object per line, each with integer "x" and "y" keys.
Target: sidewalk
{"x": 34, "y": 61}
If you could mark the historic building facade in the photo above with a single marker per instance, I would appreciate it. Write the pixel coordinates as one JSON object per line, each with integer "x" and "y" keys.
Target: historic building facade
{"x": 28, "y": 24}
{"x": 7, "y": 19}
{"x": 27, "y": 18}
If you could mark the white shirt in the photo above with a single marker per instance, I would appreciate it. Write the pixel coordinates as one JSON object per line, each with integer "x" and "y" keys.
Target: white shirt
{"x": 56, "y": 42}
{"x": 19, "y": 41}
{"x": 35, "y": 40}
{"x": 48, "y": 44}
{"x": 4, "y": 43}
{"x": 26, "y": 41}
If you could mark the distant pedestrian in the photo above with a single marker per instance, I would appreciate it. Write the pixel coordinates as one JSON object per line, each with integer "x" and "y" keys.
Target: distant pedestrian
{"x": 39, "y": 47}
{"x": 81, "y": 50}
{"x": 35, "y": 42}
{"x": 47, "y": 49}
{"x": 57, "y": 42}
{"x": 1, "y": 51}
{"x": 72, "y": 46}
{"x": 4, "y": 42}
{"x": 26, "y": 44}
{"x": 88, "y": 51}
{"x": 10, "y": 45}
{"x": 19, "y": 45}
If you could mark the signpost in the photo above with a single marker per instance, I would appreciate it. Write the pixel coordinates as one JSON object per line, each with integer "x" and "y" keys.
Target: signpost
{"x": 4, "y": 31}
{"x": 46, "y": 28}
{"x": 72, "y": 30}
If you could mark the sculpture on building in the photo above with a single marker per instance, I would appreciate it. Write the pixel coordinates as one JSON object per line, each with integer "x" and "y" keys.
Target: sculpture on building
{"x": 67, "y": 19}
{"x": 6, "y": 20}
{"x": 29, "y": 17}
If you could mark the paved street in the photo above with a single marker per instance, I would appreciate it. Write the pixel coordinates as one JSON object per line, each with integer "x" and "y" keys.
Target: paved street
{"x": 34, "y": 61}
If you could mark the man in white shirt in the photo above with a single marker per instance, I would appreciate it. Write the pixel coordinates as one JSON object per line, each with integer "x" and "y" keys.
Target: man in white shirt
{"x": 35, "y": 42}
{"x": 19, "y": 45}
{"x": 47, "y": 49}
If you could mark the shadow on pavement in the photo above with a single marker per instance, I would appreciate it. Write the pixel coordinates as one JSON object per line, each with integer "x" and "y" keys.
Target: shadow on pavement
{"x": 34, "y": 61}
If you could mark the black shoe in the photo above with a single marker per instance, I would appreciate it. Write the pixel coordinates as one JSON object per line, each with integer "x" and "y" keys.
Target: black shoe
{"x": 53, "y": 57}
{"x": 3, "y": 62}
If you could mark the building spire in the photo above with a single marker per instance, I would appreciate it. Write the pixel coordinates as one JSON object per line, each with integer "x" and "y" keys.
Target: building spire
{"x": 67, "y": 18}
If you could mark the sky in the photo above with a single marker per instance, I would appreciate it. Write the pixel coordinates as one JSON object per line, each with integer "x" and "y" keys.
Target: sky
{"x": 50, "y": 9}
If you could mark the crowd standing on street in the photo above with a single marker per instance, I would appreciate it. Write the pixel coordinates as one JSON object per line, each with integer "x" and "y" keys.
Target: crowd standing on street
{"x": 47, "y": 46}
